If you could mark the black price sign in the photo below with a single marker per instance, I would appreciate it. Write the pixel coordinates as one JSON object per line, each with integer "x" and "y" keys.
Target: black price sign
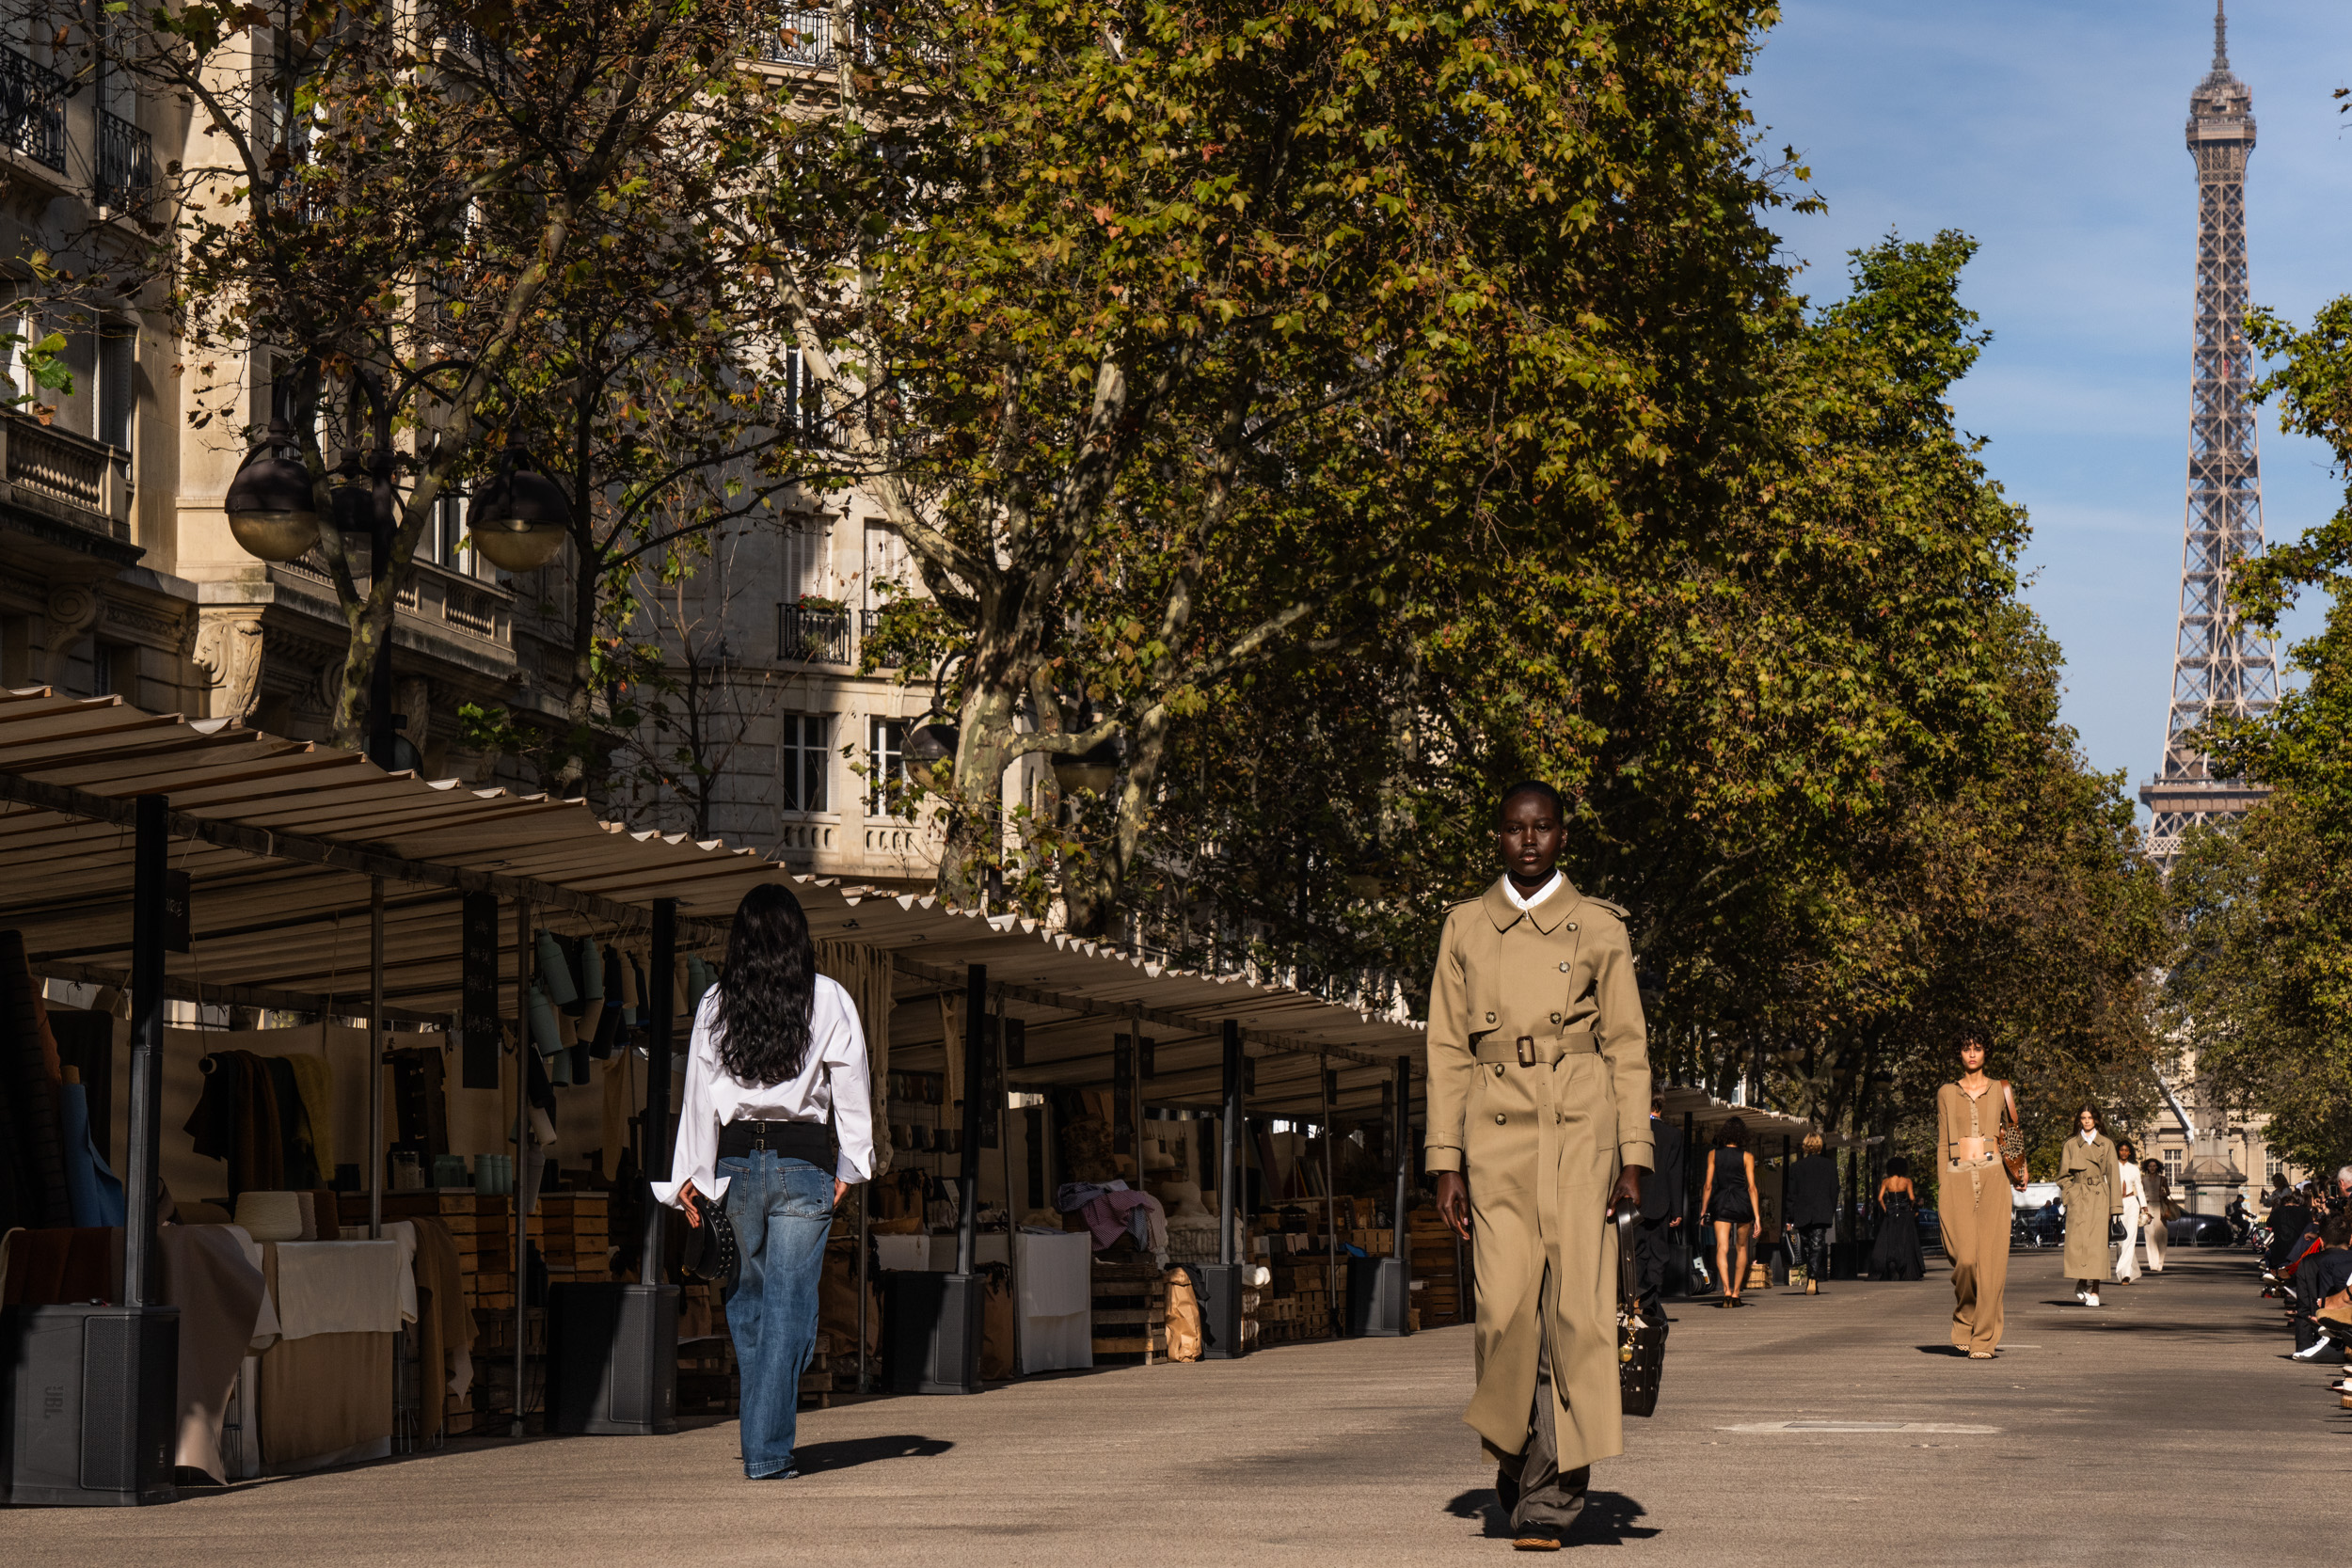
{"x": 478, "y": 1019}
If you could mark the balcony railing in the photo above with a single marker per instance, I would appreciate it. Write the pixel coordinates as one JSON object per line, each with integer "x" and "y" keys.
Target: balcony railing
{"x": 812, "y": 636}
{"x": 70, "y": 477}
{"x": 32, "y": 109}
{"x": 800, "y": 38}
{"x": 126, "y": 165}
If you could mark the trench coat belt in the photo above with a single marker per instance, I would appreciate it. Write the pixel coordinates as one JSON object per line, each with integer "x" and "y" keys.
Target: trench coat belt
{"x": 1493, "y": 1047}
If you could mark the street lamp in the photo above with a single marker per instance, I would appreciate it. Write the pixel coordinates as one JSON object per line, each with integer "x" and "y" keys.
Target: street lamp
{"x": 520, "y": 519}
{"x": 271, "y": 505}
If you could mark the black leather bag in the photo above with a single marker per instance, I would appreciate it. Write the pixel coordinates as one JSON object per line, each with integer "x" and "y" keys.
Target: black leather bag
{"x": 1640, "y": 1341}
{"x": 711, "y": 1253}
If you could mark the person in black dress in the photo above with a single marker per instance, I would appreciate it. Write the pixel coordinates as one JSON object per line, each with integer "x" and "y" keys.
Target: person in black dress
{"x": 1896, "y": 1254}
{"x": 1731, "y": 1203}
{"x": 1663, "y": 1203}
{"x": 1813, "y": 1210}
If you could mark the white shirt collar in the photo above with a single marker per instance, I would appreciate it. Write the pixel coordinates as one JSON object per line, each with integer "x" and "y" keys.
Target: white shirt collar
{"x": 2091, "y": 1136}
{"x": 1511, "y": 889}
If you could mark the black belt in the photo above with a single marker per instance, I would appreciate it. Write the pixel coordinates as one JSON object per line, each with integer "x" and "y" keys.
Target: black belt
{"x": 795, "y": 1140}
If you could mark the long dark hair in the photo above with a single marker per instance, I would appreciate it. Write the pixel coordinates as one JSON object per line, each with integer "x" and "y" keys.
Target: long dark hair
{"x": 768, "y": 988}
{"x": 1732, "y": 1134}
{"x": 2075, "y": 1123}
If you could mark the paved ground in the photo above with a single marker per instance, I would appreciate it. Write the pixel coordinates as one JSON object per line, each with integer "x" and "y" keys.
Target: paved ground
{"x": 2164, "y": 1428}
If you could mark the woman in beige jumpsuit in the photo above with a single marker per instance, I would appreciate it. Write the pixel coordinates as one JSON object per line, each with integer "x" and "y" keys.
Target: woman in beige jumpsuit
{"x": 1973, "y": 1203}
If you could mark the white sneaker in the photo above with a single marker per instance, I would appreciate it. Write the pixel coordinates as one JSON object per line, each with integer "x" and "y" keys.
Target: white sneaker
{"x": 2091, "y": 1300}
{"x": 2082, "y": 1297}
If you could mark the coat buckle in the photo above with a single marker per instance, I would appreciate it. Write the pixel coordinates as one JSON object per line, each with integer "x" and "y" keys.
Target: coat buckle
{"x": 1527, "y": 1050}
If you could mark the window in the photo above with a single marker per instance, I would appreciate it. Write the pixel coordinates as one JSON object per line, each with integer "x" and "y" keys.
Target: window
{"x": 117, "y": 354}
{"x": 2172, "y": 1165}
{"x": 803, "y": 397}
{"x": 805, "y": 574}
{"x": 449, "y": 527}
{"x": 2272, "y": 1165}
{"x": 887, "y": 752}
{"x": 805, "y": 761}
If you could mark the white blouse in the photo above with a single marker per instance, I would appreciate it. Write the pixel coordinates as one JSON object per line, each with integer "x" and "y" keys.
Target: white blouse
{"x": 2134, "y": 1185}
{"x": 833, "y": 1081}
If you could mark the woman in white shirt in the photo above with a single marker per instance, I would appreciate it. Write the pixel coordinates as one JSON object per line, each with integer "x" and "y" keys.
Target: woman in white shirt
{"x": 2135, "y": 1205}
{"x": 776, "y": 1050}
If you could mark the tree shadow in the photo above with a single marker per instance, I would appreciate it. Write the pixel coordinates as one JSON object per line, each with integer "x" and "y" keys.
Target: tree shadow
{"x": 848, "y": 1452}
{"x": 1608, "y": 1519}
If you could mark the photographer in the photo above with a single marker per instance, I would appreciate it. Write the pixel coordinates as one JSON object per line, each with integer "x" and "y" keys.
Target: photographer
{"x": 2322, "y": 1277}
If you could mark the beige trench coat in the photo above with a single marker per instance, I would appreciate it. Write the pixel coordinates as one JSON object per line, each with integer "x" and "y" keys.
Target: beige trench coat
{"x": 1541, "y": 1144}
{"x": 2092, "y": 1189}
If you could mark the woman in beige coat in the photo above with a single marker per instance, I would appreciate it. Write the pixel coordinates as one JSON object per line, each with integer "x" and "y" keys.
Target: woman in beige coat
{"x": 2092, "y": 1187}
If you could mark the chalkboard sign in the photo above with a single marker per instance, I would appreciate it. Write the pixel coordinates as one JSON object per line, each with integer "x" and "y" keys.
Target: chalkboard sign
{"x": 478, "y": 1022}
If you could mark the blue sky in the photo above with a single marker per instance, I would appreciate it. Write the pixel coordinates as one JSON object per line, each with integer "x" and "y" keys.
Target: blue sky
{"x": 2052, "y": 132}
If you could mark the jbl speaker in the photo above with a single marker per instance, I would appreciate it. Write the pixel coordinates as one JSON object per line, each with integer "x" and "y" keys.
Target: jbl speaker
{"x": 1220, "y": 1311}
{"x": 613, "y": 1348}
{"x": 1380, "y": 1294}
{"x": 92, "y": 1404}
{"x": 932, "y": 1325}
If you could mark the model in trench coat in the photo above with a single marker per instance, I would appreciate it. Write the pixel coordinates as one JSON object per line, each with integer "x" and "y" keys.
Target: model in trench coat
{"x": 1539, "y": 1091}
{"x": 2092, "y": 1188}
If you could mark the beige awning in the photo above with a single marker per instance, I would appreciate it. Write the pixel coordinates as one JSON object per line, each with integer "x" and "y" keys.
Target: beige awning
{"x": 281, "y": 840}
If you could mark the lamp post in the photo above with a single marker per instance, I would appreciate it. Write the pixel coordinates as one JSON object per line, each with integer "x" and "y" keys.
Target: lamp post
{"x": 519, "y": 523}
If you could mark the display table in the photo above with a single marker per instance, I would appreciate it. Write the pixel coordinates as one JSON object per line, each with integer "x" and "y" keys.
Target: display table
{"x": 323, "y": 1393}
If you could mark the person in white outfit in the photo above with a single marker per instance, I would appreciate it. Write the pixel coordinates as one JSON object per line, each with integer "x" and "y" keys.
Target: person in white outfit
{"x": 2156, "y": 1191}
{"x": 2135, "y": 1200}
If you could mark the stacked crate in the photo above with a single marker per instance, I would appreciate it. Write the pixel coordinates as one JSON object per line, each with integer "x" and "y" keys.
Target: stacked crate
{"x": 1130, "y": 1313}
{"x": 1438, "y": 1268}
{"x": 573, "y": 1236}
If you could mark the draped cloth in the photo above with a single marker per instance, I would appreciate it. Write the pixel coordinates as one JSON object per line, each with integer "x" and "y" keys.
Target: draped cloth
{"x": 865, "y": 972}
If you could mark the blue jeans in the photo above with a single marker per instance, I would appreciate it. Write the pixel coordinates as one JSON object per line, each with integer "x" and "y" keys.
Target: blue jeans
{"x": 781, "y": 1210}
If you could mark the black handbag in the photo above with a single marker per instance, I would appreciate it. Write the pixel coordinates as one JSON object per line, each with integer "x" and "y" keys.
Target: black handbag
{"x": 1641, "y": 1342}
{"x": 710, "y": 1254}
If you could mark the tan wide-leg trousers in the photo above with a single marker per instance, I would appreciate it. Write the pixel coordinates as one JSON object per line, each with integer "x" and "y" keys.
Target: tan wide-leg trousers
{"x": 2155, "y": 1241}
{"x": 1974, "y": 1208}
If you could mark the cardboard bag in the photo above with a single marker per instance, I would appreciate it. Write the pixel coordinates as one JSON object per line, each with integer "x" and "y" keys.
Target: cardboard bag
{"x": 1184, "y": 1318}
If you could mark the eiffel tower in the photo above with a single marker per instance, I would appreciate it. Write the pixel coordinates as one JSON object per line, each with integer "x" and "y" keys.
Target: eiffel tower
{"x": 2220, "y": 669}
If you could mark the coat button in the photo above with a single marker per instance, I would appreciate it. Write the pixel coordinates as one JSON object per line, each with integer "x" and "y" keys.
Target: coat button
{"x": 1499, "y": 1118}
{"x": 1490, "y": 1017}
{"x": 1563, "y": 969}
{"x": 1571, "y": 925}
{"x": 1497, "y": 1069}
{"x": 1555, "y": 1018}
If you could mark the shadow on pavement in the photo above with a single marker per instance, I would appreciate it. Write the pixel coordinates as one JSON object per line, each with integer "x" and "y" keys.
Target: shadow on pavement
{"x": 810, "y": 1458}
{"x": 1944, "y": 1350}
{"x": 1607, "y": 1521}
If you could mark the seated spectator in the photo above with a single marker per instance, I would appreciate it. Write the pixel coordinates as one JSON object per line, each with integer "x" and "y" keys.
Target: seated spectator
{"x": 2325, "y": 1274}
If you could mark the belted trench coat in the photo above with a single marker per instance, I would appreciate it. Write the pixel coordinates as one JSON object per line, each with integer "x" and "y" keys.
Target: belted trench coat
{"x": 2092, "y": 1188}
{"x": 1540, "y": 1132}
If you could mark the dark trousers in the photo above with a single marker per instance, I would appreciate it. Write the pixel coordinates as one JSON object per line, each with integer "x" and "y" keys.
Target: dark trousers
{"x": 1653, "y": 1244}
{"x": 1813, "y": 1243}
{"x": 1537, "y": 1497}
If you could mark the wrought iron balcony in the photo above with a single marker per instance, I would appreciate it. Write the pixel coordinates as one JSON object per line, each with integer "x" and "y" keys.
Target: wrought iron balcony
{"x": 126, "y": 165}
{"x": 807, "y": 636}
{"x": 32, "y": 109}
{"x": 800, "y": 38}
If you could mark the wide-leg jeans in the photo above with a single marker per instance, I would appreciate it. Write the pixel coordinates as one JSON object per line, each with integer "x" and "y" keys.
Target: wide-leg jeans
{"x": 782, "y": 1210}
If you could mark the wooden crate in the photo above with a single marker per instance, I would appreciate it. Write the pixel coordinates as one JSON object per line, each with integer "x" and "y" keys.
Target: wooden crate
{"x": 1129, "y": 1314}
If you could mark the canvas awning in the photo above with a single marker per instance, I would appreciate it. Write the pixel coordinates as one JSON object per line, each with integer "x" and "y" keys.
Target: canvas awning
{"x": 282, "y": 839}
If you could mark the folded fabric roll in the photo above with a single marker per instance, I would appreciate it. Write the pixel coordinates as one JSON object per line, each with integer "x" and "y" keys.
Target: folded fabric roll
{"x": 632, "y": 988}
{"x": 307, "y": 1204}
{"x": 590, "y": 971}
{"x": 268, "y": 1216}
{"x": 555, "y": 971}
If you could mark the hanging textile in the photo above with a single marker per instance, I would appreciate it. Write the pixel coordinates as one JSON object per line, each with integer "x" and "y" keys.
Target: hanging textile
{"x": 28, "y": 1068}
{"x": 865, "y": 972}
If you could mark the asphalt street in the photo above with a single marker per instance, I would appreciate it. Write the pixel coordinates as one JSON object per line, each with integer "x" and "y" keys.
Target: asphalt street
{"x": 2165, "y": 1427}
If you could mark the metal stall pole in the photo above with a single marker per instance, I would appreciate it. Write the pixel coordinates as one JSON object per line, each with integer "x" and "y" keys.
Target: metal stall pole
{"x": 375, "y": 1058}
{"x": 1330, "y": 1207}
{"x": 1690, "y": 1246}
{"x": 1381, "y": 1290}
{"x": 522, "y": 1147}
{"x": 661, "y": 1004}
{"x": 1220, "y": 1305}
{"x": 968, "y": 1155}
{"x": 122, "y": 1361}
{"x": 1788, "y": 1252}
{"x": 1004, "y": 1150}
{"x": 864, "y": 1376}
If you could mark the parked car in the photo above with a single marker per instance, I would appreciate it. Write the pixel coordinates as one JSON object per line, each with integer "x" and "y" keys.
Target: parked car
{"x": 2197, "y": 1230}
{"x": 1931, "y": 1230}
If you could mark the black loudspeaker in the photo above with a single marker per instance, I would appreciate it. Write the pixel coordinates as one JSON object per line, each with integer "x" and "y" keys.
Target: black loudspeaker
{"x": 92, "y": 1405}
{"x": 1379, "y": 1298}
{"x": 931, "y": 1329}
{"x": 1221, "y": 1287}
{"x": 614, "y": 1353}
